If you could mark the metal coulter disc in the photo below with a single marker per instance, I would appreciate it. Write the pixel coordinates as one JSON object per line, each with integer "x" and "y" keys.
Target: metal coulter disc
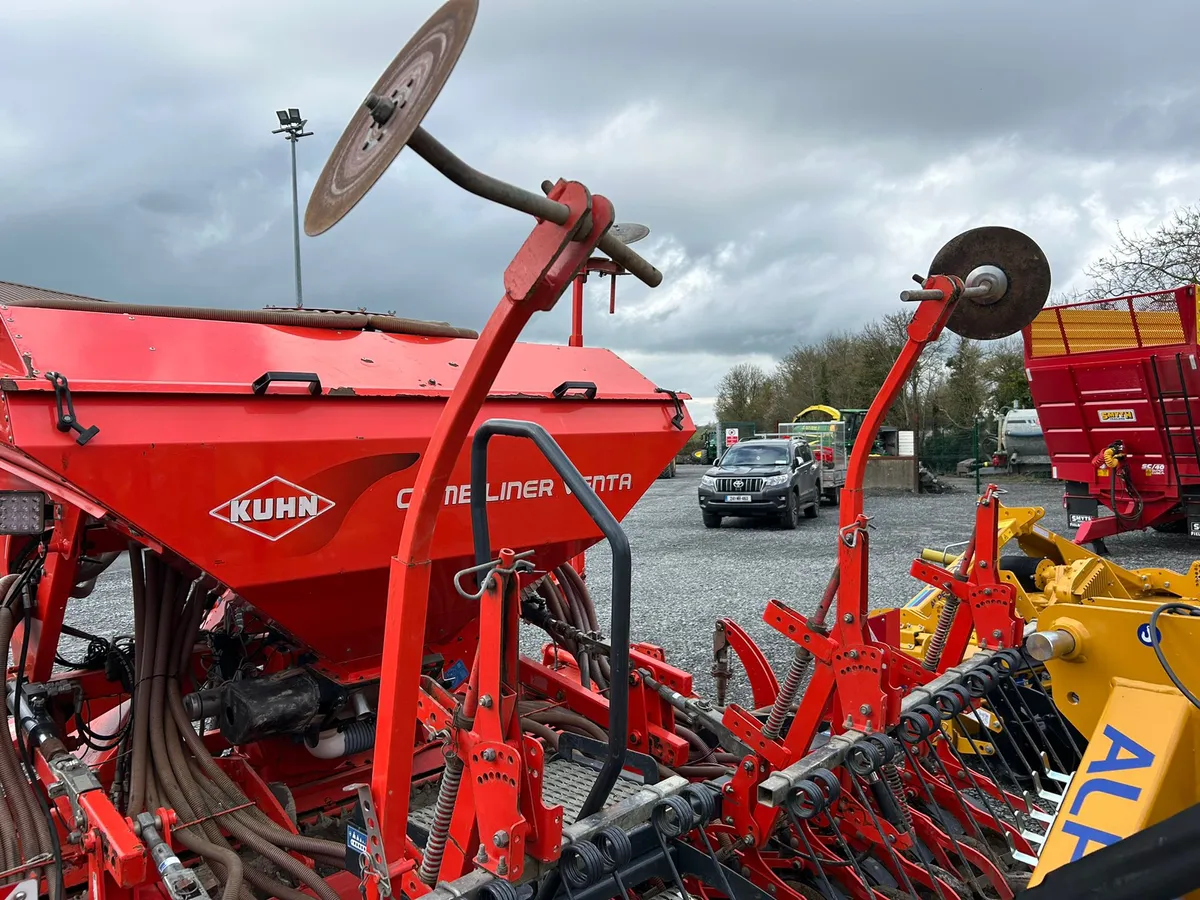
{"x": 1024, "y": 266}
{"x": 390, "y": 114}
{"x": 628, "y": 232}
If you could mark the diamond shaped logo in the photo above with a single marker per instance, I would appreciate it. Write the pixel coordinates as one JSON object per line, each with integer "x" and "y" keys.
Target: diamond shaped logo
{"x": 273, "y": 509}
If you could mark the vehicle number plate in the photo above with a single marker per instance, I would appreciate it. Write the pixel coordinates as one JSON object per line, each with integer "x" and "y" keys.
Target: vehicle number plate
{"x": 737, "y": 498}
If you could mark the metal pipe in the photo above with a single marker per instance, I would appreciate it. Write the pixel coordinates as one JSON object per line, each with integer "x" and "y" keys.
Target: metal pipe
{"x": 437, "y": 155}
{"x": 296, "y": 225}
{"x": 1044, "y": 645}
{"x": 622, "y": 571}
{"x": 979, "y": 292}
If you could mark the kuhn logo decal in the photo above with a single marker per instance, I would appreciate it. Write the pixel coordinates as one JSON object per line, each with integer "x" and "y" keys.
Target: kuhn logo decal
{"x": 273, "y": 509}
{"x": 1118, "y": 415}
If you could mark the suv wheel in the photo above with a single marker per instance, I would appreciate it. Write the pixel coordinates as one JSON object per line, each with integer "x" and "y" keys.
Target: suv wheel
{"x": 790, "y": 517}
{"x": 712, "y": 520}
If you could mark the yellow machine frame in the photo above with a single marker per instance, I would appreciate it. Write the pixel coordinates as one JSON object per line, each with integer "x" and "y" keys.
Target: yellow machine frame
{"x": 1090, "y": 626}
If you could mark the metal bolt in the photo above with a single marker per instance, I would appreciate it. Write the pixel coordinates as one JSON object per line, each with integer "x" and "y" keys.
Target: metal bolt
{"x": 848, "y": 618}
{"x": 748, "y": 765}
{"x": 770, "y": 889}
{"x": 729, "y": 820}
{"x": 481, "y": 856}
{"x": 853, "y": 654}
{"x": 987, "y": 592}
{"x": 502, "y": 867}
{"x": 486, "y": 701}
{"x": 489, "y": 755}
{"x": 865, "y": 709}
{"x": 500, "y": 838}
{"x": 997, "y": 634}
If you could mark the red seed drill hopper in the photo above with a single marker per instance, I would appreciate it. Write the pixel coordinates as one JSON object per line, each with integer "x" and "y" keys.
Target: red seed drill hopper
{"x": 335, "y": 525}
{"x": 1116, "y": 387}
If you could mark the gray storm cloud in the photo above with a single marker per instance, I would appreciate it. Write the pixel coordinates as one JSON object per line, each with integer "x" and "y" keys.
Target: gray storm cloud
{"x": 795, "y": 161}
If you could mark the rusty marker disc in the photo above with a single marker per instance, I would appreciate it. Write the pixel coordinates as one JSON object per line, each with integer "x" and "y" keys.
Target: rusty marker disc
{"x": 1024, "y": 266}
{"x": 628, "y": 232}
{"x": 390, "y": 114}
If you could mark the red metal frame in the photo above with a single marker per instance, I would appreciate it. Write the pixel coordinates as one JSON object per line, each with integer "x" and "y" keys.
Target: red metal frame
{"x": 604, "y": 267}
{"x": 988, "y": 605}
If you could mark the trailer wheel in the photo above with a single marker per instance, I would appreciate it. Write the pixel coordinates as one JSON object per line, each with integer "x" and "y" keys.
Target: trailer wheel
{"x": 712, "y": 520}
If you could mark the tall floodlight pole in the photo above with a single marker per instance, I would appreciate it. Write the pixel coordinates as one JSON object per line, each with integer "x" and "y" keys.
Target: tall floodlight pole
{"x": 291, "y": 126}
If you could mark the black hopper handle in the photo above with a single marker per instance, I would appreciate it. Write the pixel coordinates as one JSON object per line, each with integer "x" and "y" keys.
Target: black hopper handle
{"x": 264, "y": 381}
{"x": 588, "y": 388}
{"x": 622, "y": 568}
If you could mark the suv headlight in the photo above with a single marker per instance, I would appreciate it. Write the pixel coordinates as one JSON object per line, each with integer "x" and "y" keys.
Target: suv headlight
{"x": 775, "y": 480}
{"x": 708, "y": 481}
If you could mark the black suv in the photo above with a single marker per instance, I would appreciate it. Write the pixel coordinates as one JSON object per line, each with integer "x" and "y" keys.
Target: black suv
{"x": 764, "y": 477}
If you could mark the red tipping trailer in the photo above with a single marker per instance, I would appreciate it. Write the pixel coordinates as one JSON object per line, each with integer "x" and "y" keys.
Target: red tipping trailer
{"x": 1117, "y": 391}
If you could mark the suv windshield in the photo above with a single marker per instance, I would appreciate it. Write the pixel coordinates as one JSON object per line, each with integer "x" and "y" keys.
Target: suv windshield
{"x": 756, "y": 455}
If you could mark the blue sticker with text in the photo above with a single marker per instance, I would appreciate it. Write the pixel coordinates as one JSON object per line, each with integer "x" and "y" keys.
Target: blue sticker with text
{"x": 356, "y": 840}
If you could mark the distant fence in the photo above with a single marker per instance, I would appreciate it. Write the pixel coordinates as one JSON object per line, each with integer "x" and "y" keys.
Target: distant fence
{"x": 943, "y": 448}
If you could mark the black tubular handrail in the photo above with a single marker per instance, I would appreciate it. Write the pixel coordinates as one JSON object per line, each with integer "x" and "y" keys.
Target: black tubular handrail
{"x": 622, "y": 573}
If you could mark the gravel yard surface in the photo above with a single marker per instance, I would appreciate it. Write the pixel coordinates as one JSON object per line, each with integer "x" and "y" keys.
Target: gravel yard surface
{"x": 685, "y": 576}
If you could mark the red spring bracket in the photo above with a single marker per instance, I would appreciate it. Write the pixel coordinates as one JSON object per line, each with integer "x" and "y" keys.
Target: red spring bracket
{"x": 990, "y": 603}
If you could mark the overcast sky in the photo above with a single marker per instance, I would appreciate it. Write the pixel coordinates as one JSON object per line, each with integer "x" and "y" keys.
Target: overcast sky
{"x": 796, "y": 160}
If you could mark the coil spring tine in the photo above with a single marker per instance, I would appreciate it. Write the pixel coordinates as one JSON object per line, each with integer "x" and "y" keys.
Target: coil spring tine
{"x": 954, "y": 712}
{"x": 975, "y": 714}
{"x": 659, "y": 817}
{"x": 1035, "y": 771}
{"x": 582, "y": 865}
{"x": 498, "y": 890}
{"x": 888, "y": 749}
{"x": 1057, "y": 712}
{"x": 927, "y": 723}
{"x": 919, "y": 775}
{"x": 614, "y": 846}
{"x": 812, "y": 853}
{"x": 832, "y": 788}
{"x": 862, "y": 798}
{"x": 962, "y": 800}
{"x": 1044, "y": 740}
{"x": 986, "y": 802}
{"x": 716, "y": 862}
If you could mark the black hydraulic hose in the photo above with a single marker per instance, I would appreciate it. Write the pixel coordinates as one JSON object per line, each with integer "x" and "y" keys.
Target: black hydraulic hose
{"x": 11, "y": 776}
{"x": 1133, "y": 493}
{"x": 149, "y": 575}
{"x": 622, "y": 569}
{"x": 192, "y": 837}
{"x": 256, "y": 818}
{"x": 45, "y": 828}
